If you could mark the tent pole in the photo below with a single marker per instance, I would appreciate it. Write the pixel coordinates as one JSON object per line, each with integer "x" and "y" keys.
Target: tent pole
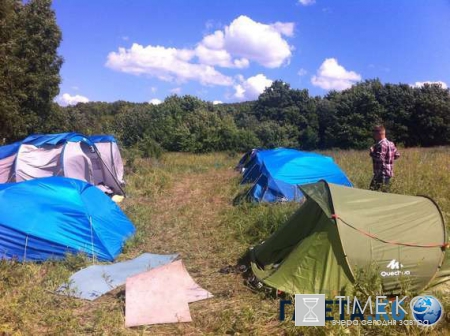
{"x": 25, "y": 249}
{"x": 248, "y": 191}
{"x": 92, "y": 241}
{"x": 249, "y": 171}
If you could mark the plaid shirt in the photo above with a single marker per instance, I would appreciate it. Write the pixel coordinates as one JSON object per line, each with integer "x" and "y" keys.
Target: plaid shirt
{"x": 383, "y": 156}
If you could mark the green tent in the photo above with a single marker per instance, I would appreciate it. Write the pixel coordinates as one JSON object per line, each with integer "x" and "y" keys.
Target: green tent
{"x": 339, "y": 229}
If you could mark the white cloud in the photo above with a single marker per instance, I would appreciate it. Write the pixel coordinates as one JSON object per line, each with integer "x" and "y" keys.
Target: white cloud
{"x": 219, "y": 57}
{"x": 252, "y": 87}
{"x": 302, "y": 72}
{"x": 153, "y": 89}
{"x": 307, "y": 2}
{"x": 176, "y": 90}
{"x": 155, "y": 101}
{"x": 235, "y": 46}
{"x": 67, "y": 99}
{"x": 245, "y": 40}
{"x": 332, "y": 76}
{"x": 216, "y": 102}
{"x": 421, "y": 84}
{"x": 168, "y": 64}
{"x": 258, "y": 42}
{"x": 284, "y": 28}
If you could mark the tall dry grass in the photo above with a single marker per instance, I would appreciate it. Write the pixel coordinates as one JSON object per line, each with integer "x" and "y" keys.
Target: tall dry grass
{"x": 182, "y": 203}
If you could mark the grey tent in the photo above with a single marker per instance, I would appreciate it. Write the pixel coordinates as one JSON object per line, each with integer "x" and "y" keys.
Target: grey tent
{"x": 67, "y": 154}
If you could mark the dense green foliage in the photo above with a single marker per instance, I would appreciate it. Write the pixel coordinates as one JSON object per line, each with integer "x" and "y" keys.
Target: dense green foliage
{"x": 29, "y": 67}
{"x": 280, "y": 117}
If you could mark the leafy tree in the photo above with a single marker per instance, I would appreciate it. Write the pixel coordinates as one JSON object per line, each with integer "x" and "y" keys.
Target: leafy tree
{"x": 430, "y": 120}
{"x": 29, "y": 66}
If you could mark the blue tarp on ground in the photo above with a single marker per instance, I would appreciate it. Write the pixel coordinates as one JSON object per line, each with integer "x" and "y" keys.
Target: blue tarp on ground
{"x": 47, "y": 218}
{"x": 94, "y": 281}
{"x": 277, "y": 173}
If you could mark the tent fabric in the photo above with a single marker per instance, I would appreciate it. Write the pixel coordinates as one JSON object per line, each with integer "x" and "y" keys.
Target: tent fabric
{"x": 339, "y": 230}
{"x": 47, "y": 218}
{"x": 161, "y": 295}
{"x": 278, "y": 172}
{"x": 8, "y": 150}
{"x": 245, "y": 160}
{"x": 40, "y": 140}
{"x": 40, "y": 161}
{"x": 66, "y": 154}
{"x": 94, "y": 281}
{"x": 98, "y": 138}
{"x": 8, "y": 155}
{"x": 110, "y": 154}
{"x": 253, "y": 168}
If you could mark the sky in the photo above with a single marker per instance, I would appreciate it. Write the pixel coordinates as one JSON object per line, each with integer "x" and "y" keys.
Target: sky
{"x": 229, "y": 51}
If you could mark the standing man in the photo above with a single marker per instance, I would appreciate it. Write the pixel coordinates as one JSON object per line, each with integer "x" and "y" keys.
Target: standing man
{"x": 383, "y": 154}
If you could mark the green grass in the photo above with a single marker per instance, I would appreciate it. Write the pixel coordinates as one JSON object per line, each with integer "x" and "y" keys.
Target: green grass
{"x": 183, "y": 203}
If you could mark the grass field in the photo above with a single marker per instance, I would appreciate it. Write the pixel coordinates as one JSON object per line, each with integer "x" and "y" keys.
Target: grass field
{"x": 182, "y": 203}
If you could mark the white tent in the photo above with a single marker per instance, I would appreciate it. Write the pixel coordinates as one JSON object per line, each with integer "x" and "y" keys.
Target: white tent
{"x": 66, "y": 154}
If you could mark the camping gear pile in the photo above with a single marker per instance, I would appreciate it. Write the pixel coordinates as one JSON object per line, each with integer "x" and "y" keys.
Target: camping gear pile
{"x": 276, "y": 173}
{"x": 158, "y": 289}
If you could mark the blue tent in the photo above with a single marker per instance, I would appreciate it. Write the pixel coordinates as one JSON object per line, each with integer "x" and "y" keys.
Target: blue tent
{"x": 253, "y": 169}
{"x": 47, "y": 218}
{"x": 277, "y": 173}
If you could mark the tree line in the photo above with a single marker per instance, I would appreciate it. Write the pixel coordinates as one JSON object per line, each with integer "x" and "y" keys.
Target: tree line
{"x": 281, "y": 116}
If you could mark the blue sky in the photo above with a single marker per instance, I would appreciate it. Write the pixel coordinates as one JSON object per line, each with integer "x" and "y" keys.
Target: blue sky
{"x": 228, "y": 51}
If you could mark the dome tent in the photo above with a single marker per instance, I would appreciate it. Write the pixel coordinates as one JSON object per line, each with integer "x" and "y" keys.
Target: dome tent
{"x": 276, "y": 173}
{"x": 47, "y": 218}
{"x": 339, "y": 229}
{"x": 65, "y": 154}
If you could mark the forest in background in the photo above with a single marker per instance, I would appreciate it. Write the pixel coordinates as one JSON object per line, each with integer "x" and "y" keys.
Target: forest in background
{"x": 281, "y": 116}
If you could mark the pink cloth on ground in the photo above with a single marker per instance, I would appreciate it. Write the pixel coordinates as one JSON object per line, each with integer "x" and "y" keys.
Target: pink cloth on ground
{"x": 161, "y": 295}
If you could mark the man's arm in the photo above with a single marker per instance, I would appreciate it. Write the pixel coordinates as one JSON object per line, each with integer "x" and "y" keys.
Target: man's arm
{"x": 378, "y": 152}
{"x": 396, "y": 153}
